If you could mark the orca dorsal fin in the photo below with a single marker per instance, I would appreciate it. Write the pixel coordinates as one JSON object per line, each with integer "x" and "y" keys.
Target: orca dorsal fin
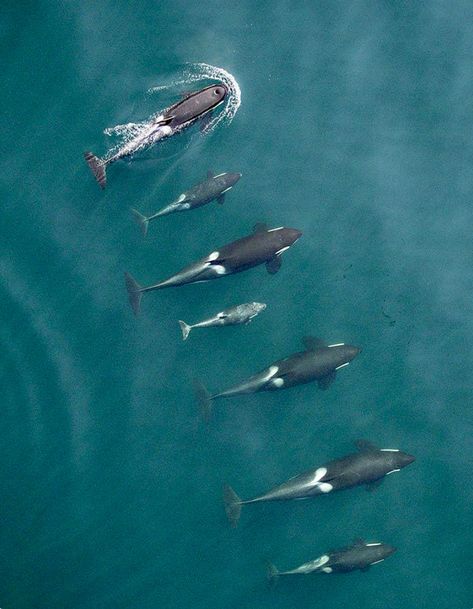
{"x": 311, "y": 343}
{"x": 366, "y": 446}
{"x": 260, "y": 227}
{"x": 210, "y": 174}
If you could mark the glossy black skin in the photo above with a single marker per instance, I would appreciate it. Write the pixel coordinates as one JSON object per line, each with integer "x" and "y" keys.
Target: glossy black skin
{"x": 363, "y": 467}
{"x": 358, "y": 556}
{"x": 308, "y": 366}
{"x": 240, "y": 255}
{"x": 256, "y": 249}
{"x": 195, "y": 105}
{"x": 210, "y": 189}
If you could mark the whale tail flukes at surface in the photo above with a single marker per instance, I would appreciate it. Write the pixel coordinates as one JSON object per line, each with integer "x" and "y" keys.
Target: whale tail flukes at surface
{"x": 185, "y": 329}
{"x": 272, "y": 573}
{"x": 204, "y": 400}
{"x": 97, "y": 167}
{"x": 141, "y": 220}
{"x": 135, "y": 293}
{"x": 232, "y": 505}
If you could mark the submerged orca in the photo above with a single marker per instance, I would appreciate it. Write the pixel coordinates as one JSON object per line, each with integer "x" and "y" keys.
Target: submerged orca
{"x": 263, "y": 246}
{"x": 319, "y": 362}
{"x": 359, "y": 555}
{"x": 173, "y": 120}
{"x": 214, "y": 187}
{"x": 368, "y": 466}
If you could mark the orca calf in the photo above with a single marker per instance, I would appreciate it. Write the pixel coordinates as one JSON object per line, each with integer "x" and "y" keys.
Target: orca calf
{"x": 367, "y": 467}
{"x": 173, "y": 120}
{"x": 233, "y": 316}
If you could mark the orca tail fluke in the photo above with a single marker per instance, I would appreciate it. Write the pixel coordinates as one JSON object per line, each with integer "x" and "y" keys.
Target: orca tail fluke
{"x": 204, "y": 400}
{"x": 134, "y": 293}
{"x": 142, "y": 221}
{"x": 272, "y": 573}
{"x": 185, "y": 329}
{"x": 97, "y": 166}
{"x": 232, "y": 505}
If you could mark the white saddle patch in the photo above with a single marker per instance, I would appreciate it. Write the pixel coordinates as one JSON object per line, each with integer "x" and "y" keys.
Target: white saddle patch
{"x": 327, "y": 569}
{"x": 213, "y": 256}
{"x": 342, "y": 366}
{"x": 322, "y": 560}
{"x": 181, "y": 198}
{"x": 272, "y": 370}
{"x": 279, "y": 382}
{"x": 325, "y": 487}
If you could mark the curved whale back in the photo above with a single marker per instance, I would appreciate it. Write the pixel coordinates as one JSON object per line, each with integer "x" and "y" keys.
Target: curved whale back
{"x": 256, "y": 248}
{"x": 195, "y": 105}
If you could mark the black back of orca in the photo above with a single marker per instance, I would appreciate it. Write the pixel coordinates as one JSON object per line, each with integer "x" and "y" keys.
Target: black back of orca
{"x": 255, "y": 249}
{"x": 196, "y": 105}
{"x": 359, "y": 468}
{"x": 206, "y": 191}
{"x": 308, "y": 366}
{"x": 358, "y": 556}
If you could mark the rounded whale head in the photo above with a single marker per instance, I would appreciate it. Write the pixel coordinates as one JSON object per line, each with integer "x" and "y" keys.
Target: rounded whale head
{"x": 231, "y": 179}
{"x": 404, "y": 459}
{"x": 349, "y": 352}
{"x": 213, "y": 95}
{"x": 287, "y": 236}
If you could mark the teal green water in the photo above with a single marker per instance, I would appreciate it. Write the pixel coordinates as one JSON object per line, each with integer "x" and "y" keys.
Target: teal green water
{"x": 355, "y": 127}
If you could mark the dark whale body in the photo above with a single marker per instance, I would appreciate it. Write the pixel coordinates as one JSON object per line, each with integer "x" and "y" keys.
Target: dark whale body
{"x": 173, "y": 120}
{"x": 360, "y": 555}
{"x": 367, "y": 467}
{"x": 263, "y": 246}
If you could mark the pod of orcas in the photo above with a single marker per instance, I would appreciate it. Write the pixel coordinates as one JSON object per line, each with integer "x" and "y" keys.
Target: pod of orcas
{"x": 318, "y": 362}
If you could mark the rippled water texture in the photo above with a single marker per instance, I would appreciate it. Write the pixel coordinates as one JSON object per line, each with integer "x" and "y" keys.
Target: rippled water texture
{"x": 355, "y": 126}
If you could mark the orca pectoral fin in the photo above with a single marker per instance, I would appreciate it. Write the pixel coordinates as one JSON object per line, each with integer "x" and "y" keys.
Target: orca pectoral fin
{"x": 372, "y": 486}
{"x": 221, "y": 199}
{"x": 260, "y": 227}
{"x": 311, "y": 343}
{"x": 366, "y": 446}
{"x": 273, "y": 265}
{"x": 325, "y": 382}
